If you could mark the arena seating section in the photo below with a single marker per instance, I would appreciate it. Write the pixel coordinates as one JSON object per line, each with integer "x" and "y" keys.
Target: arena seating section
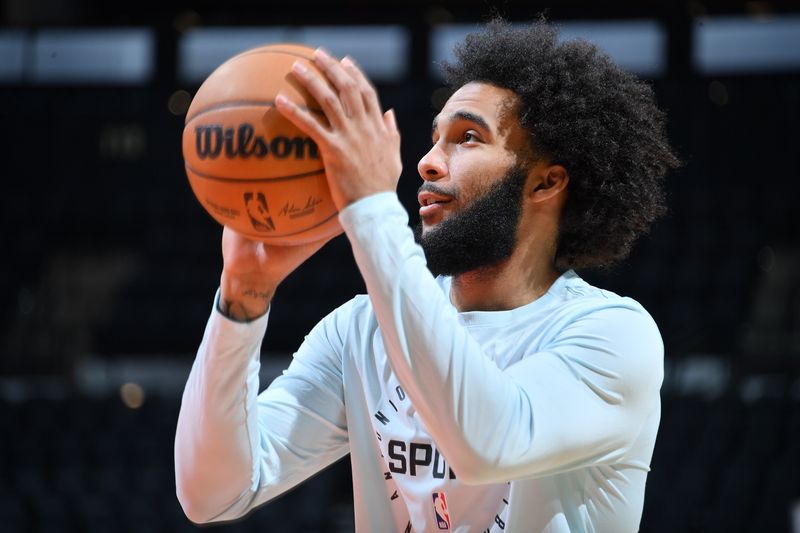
{"x": 106, "y": 253}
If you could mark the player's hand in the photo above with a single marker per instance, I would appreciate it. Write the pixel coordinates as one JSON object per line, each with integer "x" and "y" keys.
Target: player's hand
{"x": 359, "y": 144}
{"x": 253, "y": 270}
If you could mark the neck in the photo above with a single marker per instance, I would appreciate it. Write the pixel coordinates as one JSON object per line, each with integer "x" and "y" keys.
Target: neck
{"x": 518, "y": 280}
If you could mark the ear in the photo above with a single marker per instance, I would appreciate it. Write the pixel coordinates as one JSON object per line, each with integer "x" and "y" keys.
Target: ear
{"x": 547, "y": 181}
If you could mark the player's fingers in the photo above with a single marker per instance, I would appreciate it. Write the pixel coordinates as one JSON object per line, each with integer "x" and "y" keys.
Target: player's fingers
{"x": 368, "y": 93}
{"x": 304, "y": 119}
{"x": 349, "y": 90}
{"x": 297, "y": 253}
{"x": 390, "y": 121}
{"x": 322, "y": 93}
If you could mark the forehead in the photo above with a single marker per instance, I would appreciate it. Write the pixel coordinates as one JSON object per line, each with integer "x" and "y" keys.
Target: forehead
{"x": 487, "y": 101}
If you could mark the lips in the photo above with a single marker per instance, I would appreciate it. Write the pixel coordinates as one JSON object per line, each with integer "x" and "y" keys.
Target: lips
{"x": 431, "y": 204}
{"x": 427, "y": 198}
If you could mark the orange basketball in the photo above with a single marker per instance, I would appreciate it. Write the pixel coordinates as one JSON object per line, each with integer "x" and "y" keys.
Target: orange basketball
{"x": 249, "y": 167}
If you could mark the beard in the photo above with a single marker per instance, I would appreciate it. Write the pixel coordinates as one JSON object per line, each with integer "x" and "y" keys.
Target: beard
{"x": 481, "y": 235}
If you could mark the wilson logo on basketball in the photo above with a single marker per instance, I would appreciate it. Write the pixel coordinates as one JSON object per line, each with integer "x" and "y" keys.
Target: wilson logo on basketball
{"x": 214, "y": 140}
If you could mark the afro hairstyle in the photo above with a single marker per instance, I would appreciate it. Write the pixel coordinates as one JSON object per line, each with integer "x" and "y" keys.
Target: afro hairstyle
{"x": 584, "y": 112}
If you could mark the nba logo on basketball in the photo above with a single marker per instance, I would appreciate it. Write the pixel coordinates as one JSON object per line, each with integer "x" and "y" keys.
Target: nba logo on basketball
{"x": 440, "y": 509}
{"x": 257, "y": 210}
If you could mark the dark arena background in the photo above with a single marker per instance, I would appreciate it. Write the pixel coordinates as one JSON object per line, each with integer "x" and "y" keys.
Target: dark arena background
{"x": 110, "y": 264}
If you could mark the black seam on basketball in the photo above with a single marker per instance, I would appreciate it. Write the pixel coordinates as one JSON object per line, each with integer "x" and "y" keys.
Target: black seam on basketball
{"x": 262, "y": 235}
{"x": 246, "y": 103}
{"x": 252, "y": 180}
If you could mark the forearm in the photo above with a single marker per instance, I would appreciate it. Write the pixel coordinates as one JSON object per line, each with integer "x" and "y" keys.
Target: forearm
{"x": 216, "y": 435}
{"x": 236, "y": 449}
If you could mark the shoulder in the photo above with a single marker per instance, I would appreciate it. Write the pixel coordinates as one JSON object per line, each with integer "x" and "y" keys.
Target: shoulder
{"x": 616, "y": 325}
{"x": 356, "y": 308}
{"x": 353, "y": 315}
{"x": 580, "y": 301}
{"x": 326, "y": 342}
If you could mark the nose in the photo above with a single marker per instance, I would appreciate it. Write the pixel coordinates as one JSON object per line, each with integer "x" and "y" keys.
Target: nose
{"x": 433, "y": 165}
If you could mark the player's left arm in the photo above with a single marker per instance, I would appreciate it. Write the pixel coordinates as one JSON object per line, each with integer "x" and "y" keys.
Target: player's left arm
{"x": 582, "y": 402}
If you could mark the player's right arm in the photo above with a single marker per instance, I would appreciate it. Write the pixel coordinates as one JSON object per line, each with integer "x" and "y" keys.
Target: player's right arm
{"x": 253, "y": 270}
{"x": 236, "y": 449}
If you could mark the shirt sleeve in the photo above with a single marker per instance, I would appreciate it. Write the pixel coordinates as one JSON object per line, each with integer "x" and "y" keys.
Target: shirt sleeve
{"x": 236, "y": 449}
{"x": 582, "y": 401}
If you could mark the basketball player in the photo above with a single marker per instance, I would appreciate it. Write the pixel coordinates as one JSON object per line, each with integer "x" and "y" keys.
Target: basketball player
{"x": 481, "y": 385}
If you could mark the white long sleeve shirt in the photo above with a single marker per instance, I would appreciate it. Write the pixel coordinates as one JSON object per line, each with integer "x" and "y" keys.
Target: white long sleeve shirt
{"x": 541, "y": 418}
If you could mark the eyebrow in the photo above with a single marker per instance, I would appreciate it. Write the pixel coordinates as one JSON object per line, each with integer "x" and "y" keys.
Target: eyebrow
{"x": 463, "y": 115}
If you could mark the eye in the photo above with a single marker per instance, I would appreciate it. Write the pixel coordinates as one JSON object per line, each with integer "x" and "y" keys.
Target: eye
{"x": 470, "y": 136}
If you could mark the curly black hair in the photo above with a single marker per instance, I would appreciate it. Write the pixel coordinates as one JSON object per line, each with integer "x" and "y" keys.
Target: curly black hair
{"x": 583, "y": 112}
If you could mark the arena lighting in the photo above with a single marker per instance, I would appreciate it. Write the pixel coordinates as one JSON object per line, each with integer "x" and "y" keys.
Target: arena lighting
{"x": 118, "y": 56}
{"x": 382, "y": 51}
{"x": 179, "y": 102}
{"x": 636, "y": 45}
{"x": 743, "y": 45}
{"x": 132, "y": 395}
{"x": 201, "y": 50}
{"x": 12, "y": 54}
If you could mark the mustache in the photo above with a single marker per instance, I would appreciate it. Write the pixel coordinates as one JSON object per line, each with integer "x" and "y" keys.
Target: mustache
{"x": 437, "y": 189}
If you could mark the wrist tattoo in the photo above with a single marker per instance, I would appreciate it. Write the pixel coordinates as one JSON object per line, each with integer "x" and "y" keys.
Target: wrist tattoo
{"x": 235, "y": 310}
{"x": 264, "y": 295}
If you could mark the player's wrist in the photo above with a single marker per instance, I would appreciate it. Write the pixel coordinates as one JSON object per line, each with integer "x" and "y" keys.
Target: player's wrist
{"x": 243, "y": 298}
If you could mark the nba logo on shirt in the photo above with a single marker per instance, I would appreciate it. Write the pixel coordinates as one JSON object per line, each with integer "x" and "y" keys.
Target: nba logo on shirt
{"x": 440, "y": 509}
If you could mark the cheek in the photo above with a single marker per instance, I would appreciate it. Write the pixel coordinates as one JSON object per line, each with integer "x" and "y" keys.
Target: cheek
{"x": 463, "y": 179}
{"x": 472, "y": 181}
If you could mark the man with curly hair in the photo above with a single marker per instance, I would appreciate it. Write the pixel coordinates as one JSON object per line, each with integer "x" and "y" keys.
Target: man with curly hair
{"x": 481, "y": 385}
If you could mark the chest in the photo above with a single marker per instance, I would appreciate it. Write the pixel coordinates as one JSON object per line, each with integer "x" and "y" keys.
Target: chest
{"x": 403, "y": 439}
{"x": 420, "y": 485}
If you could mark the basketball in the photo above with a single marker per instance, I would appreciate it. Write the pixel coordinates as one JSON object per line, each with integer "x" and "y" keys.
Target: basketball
{"x": 249, "y": 167}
